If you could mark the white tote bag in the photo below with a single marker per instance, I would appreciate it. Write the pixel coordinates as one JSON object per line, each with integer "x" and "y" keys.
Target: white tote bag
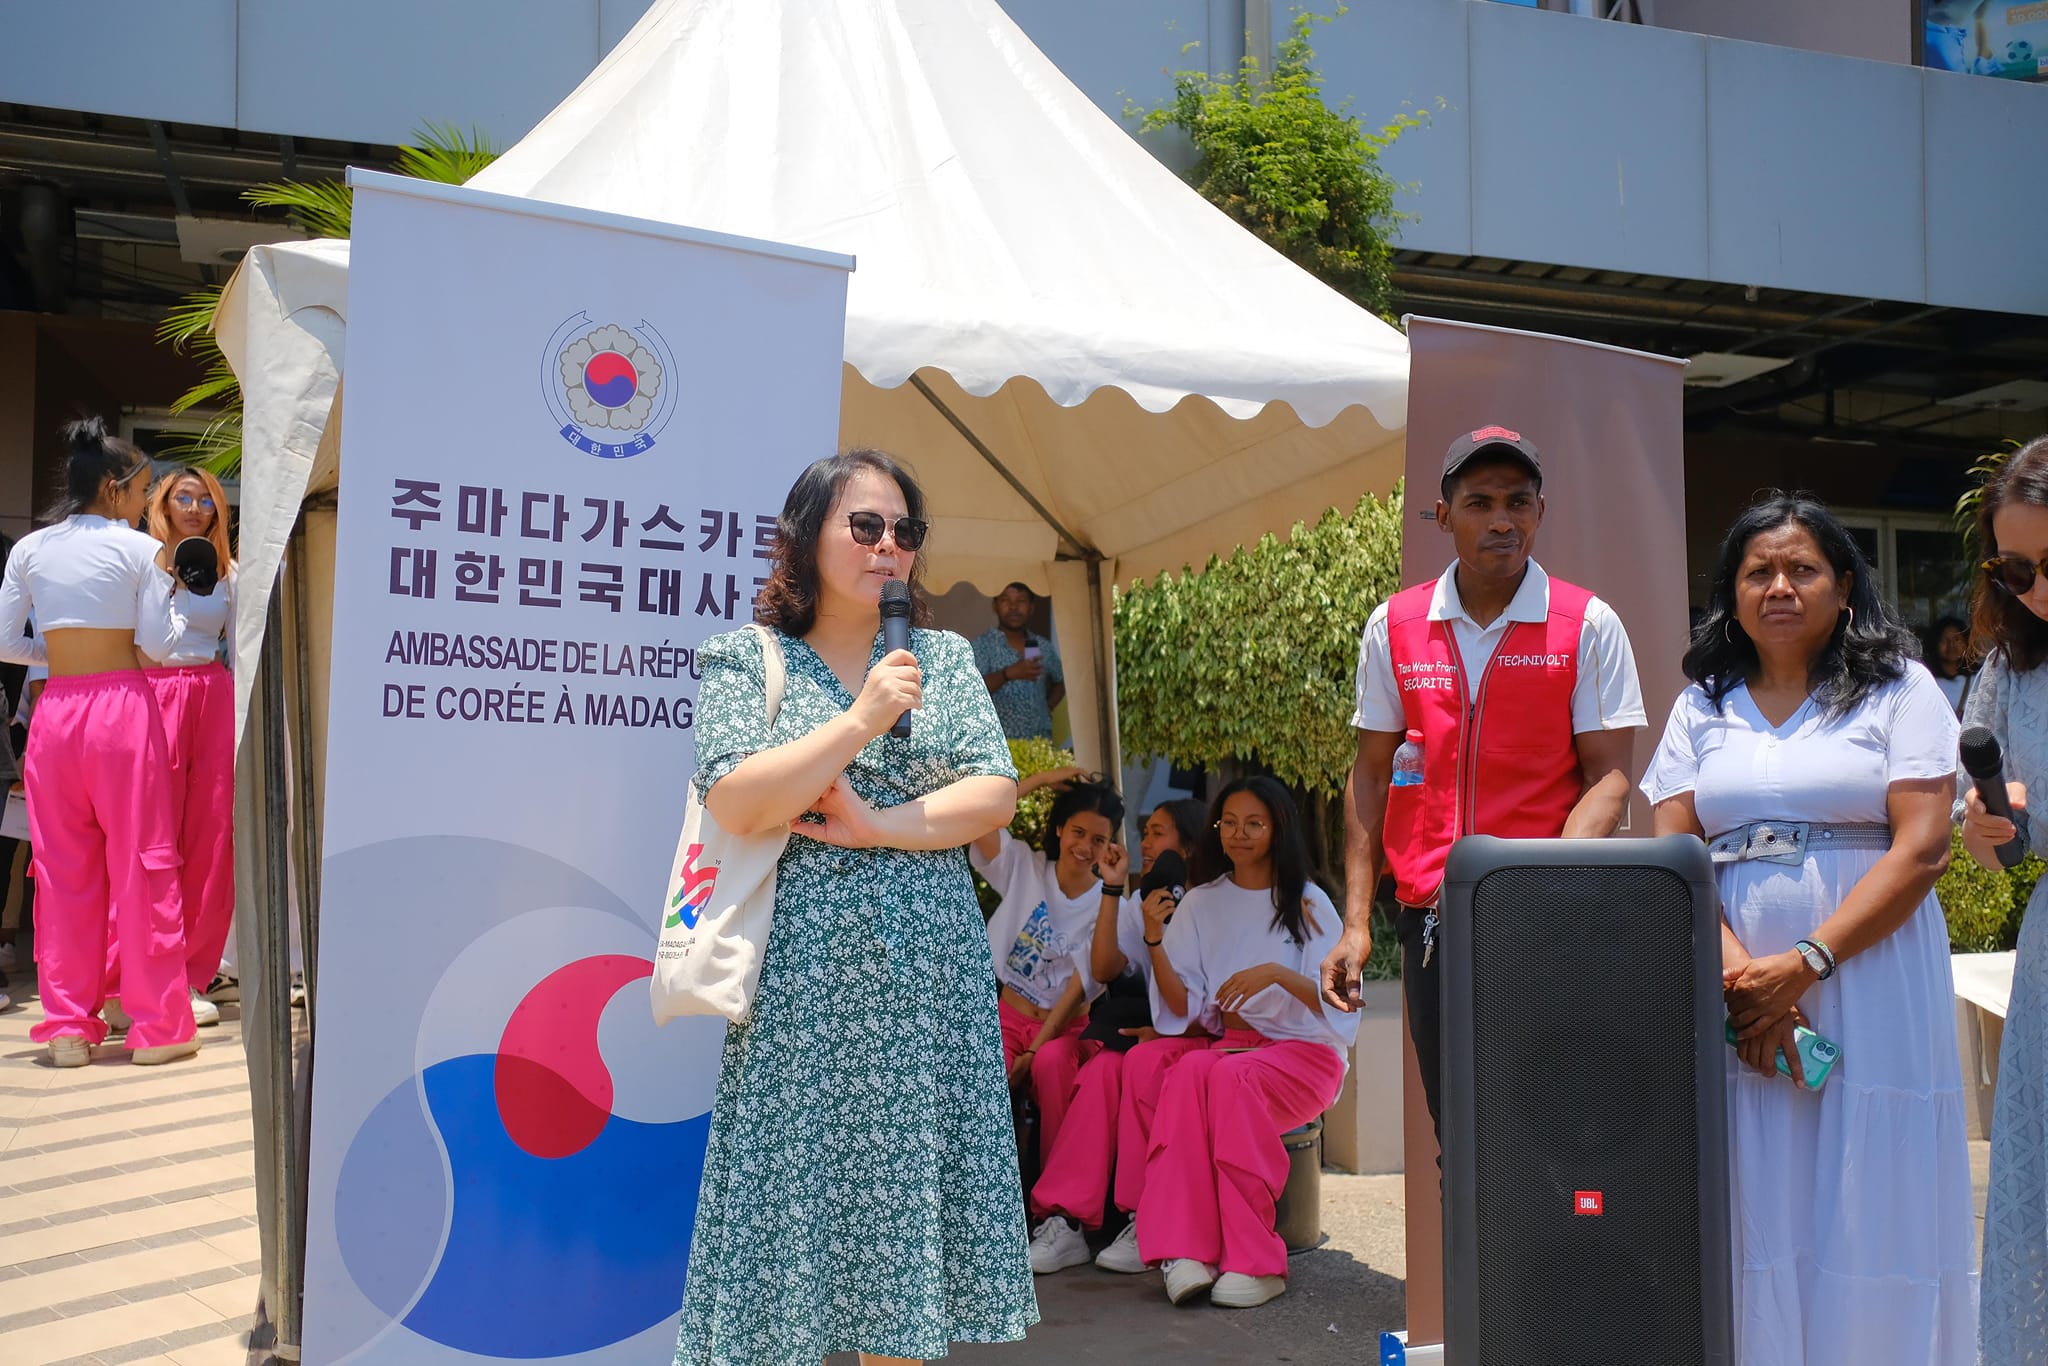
{"x": 721, "y": 900}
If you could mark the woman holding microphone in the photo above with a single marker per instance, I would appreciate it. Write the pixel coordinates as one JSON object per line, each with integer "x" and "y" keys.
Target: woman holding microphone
{"x": 860, "y": 1188}
{"x": 2010, "y": 611}
{"x": 98, "y": 774}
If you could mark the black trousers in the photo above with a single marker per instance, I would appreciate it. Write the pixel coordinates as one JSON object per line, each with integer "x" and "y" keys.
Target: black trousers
{"x": 1421, "y": 986}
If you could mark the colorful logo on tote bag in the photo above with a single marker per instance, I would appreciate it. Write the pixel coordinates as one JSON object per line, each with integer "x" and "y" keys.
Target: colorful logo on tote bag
{"x": 695, "y": 892}
{"x": 610, "y": 389}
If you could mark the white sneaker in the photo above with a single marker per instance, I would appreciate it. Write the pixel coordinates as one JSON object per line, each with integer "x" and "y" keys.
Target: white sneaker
{"x": 1057, "y": 1244}
{"x": 223, "y": 987}
{"x": 1235, "y": 1290}
{"x": 162, "y": 1053}
{"x": 8, "y": 958}
{"x": 116, "y": 1018}
{"x": 1122, "y": 1255}
{"x": 298, "y": 991}
{"x": 1186, "y": 1278}
{"x": 204, "y": 1012}
{"x": 68, "y": 1050}
{"x": 6, "y": 1001}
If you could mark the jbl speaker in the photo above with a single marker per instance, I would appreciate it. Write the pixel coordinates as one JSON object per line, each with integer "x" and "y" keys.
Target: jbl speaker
{"x": 1584, "y": 1105}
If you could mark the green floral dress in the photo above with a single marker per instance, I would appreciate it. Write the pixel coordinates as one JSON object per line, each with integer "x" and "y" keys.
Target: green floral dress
{"x": 860, "y": 1189}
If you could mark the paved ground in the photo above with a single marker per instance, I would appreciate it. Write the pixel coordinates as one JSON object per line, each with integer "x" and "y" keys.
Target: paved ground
{"x": 127, "y": 1203}
{"x": 127, "y": 1234}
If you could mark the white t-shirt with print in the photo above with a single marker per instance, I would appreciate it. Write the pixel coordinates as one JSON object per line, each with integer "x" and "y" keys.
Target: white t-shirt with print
{"x": 1222, "y": 929}
{"x": 1039, "y": 936}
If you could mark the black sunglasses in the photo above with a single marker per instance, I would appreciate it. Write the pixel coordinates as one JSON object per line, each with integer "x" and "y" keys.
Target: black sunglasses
{"x": 2014, "y": 573}
{"x": 867, "y": 528}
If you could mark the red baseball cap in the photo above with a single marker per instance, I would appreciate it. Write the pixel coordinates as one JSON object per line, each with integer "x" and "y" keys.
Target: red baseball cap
{"x": 1487, "y": 439}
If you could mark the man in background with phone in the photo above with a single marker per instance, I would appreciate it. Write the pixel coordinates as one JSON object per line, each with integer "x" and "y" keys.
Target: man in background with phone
{"x": 1020, "y": 667}
{"x": 1496, "y": 700}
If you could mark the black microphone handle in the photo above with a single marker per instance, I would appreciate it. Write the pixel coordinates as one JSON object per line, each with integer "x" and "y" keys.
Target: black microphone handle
{"x": 896, "y": 636}
{"x": 1991, "y": 791}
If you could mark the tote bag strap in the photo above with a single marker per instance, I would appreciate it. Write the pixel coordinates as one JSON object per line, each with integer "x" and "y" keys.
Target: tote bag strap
{"x": 775, "y": 667}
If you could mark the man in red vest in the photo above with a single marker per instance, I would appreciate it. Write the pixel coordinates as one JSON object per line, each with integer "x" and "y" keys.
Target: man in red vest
{"x": 1495, "y": 701}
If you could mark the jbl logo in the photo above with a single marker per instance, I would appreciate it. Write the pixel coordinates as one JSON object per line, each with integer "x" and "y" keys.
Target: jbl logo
{"x": 1588, "y": 1202}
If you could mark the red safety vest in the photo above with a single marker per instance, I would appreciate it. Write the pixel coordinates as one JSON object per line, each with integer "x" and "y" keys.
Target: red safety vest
{"x": 1510, "y": 769}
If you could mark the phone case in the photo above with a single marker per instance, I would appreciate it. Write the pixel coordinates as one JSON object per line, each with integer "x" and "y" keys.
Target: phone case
{"x": 1817, "y": 1056}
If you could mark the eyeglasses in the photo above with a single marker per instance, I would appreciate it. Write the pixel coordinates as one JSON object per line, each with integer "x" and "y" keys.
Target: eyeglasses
{"x": 1251, "y": 829}
{"x": 867, "y": 528}
{"x": 187, "y": 502}
{"x": 2014, "y": 573}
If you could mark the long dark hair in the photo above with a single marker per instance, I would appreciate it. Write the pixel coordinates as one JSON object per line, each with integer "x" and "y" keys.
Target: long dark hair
{"x": 1998, "y": 620}
{"x": 92, "y": 457}
{"x": 1289, "y": 851}
{"x": 1074, "y": 799}
{"x": 1870, "y": 646}
{"x": 789, "y": 601}
{"x": 1931, "y": 645}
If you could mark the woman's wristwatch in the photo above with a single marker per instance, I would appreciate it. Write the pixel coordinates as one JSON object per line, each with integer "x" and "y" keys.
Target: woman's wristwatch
{"x": 1818, "y": 956}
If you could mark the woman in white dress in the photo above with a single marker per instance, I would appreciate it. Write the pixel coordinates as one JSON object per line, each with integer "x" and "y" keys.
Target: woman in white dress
{"x": 1818, "y": 760}
{"x": 2011, "y": 614}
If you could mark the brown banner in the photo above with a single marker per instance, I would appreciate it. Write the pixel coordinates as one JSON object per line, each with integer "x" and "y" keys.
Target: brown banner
{"x": 1610, "y": 426}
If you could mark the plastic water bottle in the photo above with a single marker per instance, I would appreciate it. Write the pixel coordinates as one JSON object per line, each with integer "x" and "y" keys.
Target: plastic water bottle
{"x": 1408, "y": 761}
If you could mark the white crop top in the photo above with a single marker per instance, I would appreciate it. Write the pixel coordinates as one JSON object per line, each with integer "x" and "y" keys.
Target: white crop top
{"x": 86, "y": 571}
{"x": 208, "y": 620}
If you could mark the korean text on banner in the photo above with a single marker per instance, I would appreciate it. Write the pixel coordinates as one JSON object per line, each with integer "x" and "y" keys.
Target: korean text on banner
{"x": 567, "y": 437}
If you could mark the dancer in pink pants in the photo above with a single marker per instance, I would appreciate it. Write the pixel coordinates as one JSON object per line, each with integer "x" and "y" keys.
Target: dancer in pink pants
{"x": 196, "y": 696}
{"x": 97, "y": 772}
{"x": 1039, "y": 937}
{"x": 1072, "y": 1192}
{"x": 1244, "y": 949}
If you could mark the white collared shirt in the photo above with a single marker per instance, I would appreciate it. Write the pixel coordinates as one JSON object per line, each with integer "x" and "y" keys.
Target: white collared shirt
{"x": 1607, "y": 695}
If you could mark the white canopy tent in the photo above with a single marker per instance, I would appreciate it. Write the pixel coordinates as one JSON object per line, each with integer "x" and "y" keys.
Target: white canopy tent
{"x": 1095, "y": 374}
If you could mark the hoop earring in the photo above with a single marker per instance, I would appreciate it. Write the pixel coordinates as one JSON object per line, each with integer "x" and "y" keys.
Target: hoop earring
{"x": 1852, "y": 619}
{"x": 1724, "y": 632}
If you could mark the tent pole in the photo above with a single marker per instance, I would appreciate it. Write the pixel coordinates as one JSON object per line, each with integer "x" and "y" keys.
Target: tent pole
{"x": 306, "y": 852}
{"x": 1075, "y": 544}
{"x": 1105, "y": 685}
{"x": 285, "y": 1212}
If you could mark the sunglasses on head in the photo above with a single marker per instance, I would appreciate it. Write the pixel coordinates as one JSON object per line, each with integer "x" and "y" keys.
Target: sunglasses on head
{"x": 867, "y": 528}
{"x": 2014, "y": 573}
{"x": 186, "y": 502}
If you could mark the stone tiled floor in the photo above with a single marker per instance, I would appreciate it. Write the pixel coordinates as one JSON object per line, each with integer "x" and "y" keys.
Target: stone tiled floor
{"x": 127, "y": 1202}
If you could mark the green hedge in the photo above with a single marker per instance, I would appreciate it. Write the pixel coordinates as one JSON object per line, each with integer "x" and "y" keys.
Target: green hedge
{"x": 1984, "y": 908}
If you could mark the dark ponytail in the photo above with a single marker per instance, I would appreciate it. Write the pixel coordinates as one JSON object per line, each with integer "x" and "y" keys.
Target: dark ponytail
{"x": 94, "y": 457}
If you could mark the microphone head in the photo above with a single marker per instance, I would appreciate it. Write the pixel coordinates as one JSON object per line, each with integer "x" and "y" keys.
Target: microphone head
{"x": 1982, "y": 757}
{"x": 895, "y": 598}
{"x": 194, "y": 552}
{"x": 197, "y": 563}
{"x": 1168, "y": 870}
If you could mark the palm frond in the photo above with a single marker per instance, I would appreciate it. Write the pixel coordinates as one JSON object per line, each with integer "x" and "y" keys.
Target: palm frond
{"x": 1972, "y": 497}
{"x": 445, "y": 154}
{"x": 219, "y": 389}
{"x": 218, "y": 449}
{"x": 321, "y": 207}
{"x": 189, "y": 324}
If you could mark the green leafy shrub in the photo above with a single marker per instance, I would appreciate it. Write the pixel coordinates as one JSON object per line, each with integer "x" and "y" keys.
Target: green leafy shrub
{"x": 1985, "y": 907}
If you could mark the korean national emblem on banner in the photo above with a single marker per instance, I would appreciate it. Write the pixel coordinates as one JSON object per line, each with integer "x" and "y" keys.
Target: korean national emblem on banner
{"x": 610, "y": 388}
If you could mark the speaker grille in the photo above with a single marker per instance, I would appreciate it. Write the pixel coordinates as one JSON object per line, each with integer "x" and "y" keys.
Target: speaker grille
{"x": 1583, "y": 1063}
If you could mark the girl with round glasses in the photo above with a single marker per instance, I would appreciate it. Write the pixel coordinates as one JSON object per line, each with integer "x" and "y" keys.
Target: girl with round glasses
{"x": 1259, "y": 1053}
{"x": 2009, "y": 612}
{"x": 196, "y": 697}
{"x": 98, "y": 774}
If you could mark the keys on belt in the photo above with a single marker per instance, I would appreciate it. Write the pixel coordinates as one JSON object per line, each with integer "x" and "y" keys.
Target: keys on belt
{"x": 1428, "y": 937}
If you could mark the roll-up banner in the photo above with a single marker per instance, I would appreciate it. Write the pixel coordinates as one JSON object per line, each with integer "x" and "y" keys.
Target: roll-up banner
{"x": 566, "y": 438}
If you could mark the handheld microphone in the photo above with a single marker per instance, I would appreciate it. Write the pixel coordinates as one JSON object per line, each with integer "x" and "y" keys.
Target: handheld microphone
{"x": 197, "y": 564}
{"x": 1169, "y": 870}
{"x": 1985, "y": 763}
{"x": 896, "y": 635}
